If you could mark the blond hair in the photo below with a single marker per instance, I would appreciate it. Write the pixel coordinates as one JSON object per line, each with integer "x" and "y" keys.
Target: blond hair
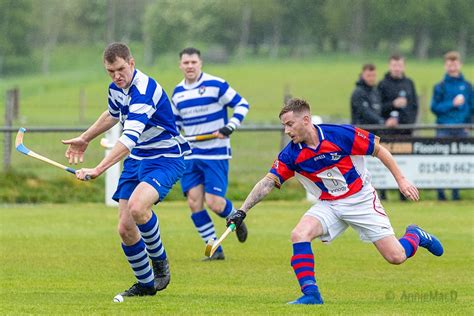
{"x": 452, "y": 55}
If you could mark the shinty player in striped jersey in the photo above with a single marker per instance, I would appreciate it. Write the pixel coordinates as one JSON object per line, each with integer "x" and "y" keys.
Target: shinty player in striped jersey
{"x": 328, "y": 161}
{"x": 155, "y": 162}
{"x": 200, "y": 105}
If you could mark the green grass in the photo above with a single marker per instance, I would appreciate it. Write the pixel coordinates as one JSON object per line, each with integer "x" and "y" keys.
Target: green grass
{"x": 325, "y": 81}
{"x": 66, "y": 259}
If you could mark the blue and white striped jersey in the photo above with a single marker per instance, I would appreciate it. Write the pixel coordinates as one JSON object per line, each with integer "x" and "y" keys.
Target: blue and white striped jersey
{"x": 201, "y": 108}
{"x": 144, "y": 110}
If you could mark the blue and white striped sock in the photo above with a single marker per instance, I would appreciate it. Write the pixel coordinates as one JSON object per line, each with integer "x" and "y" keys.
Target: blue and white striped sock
{"x": 150, "y": 232}
{"x": 204, "y": 226}
{"x": 138, "y": 259}
{"x": 228, "y": 209}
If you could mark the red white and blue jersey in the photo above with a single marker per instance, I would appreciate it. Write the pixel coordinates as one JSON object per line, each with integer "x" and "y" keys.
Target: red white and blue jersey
{"x": 335, "y": 169}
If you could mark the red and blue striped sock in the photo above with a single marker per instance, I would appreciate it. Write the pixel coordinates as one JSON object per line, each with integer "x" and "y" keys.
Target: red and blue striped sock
{"x": 302, "y": 262}
{"x": 410, "y": 242}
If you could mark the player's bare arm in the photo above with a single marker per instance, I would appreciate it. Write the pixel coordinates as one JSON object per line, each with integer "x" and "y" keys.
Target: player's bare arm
{"x": 78, "y": 145}
{"x": 407, "y": 189}
{"x": 118, "y": 152}
{"x": 258, "y": 193}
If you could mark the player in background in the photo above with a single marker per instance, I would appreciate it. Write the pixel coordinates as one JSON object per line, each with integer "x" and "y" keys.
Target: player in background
{"x": 155, "y": 162}
{"x": 328, "y": 160}
{"x": 200, "y": 104}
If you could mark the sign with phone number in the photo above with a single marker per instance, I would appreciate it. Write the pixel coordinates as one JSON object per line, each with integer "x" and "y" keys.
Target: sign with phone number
{"x": 428, "y": 163}
{"x": 426, "y": 171}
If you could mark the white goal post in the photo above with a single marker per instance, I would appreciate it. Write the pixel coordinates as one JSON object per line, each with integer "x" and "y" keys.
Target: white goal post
{"x": 112, "y": 174}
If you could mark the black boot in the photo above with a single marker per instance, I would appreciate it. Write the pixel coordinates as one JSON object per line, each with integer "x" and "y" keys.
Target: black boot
{"x": 161, "y": 269}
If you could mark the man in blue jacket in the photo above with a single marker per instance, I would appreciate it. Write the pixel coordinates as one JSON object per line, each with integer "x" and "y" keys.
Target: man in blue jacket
{"x": 452, "y": 103}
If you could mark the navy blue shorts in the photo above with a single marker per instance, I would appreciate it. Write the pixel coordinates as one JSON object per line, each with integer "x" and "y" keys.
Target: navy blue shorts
{"x": 161, "y": 173}
{"x": 213, "y": 174}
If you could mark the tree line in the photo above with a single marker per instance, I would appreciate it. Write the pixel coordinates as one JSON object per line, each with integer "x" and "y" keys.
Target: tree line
{"x": 236, "y": 28}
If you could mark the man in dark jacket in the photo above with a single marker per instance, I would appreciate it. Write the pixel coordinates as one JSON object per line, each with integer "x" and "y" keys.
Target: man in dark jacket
{"x": 452, "y": 103}
{"x": 399, "y": 98}
{"x": 366, "y": 105}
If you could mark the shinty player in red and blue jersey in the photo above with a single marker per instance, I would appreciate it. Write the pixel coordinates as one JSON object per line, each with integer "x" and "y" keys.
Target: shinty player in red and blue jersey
{"x": 330, "y": 167}
{"x": 329, "y": 161}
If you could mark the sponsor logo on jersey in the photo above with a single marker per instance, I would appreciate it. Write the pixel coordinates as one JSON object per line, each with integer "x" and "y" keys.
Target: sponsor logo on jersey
{"x": 340, "y": 189}
{"x": 275, "y": 164}
{"x": 335, "y": 156}
{"x": 194, "y": 110}
{"x": 201, "y": 90}
{"x": 319, "y": 157}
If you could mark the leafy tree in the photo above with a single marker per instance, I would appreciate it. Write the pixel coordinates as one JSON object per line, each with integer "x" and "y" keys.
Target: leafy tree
{"x": 424, "y": 28}
{"x": 458, "y": 29}
{"x": 167, "y": 25}
{"x": 16, "y": 27}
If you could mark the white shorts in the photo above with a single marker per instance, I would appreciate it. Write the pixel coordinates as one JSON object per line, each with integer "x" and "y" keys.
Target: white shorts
{"x": 362, "y": 211}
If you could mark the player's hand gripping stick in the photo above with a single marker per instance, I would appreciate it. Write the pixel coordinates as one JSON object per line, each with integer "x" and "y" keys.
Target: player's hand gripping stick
{"x": 237, "y": 218}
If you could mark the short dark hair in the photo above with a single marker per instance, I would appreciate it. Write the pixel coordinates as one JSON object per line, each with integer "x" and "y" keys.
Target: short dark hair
{"x": 190, "y": 51}
{"x": 114, "y": 50}
{"x": 452, "y": 55}
{"x": 295, "y": 105}
{"x": 369, "y": 67}
{"x": 396, "y": 57}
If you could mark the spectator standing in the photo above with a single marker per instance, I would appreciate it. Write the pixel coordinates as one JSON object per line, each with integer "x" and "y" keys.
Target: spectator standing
{"x": 452, "y": 103}
{"x": 399, "y": 98}
{"x": 366, "y": 104}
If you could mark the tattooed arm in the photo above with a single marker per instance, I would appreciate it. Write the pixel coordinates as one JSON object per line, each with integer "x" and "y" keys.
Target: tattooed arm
{"x": 259, "y": 191}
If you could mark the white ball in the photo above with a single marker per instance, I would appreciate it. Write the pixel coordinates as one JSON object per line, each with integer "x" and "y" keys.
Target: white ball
{"x": 118, "y": 298}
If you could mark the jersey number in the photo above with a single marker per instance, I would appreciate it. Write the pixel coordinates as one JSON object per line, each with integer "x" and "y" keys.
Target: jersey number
{"x": 334, "y": 181}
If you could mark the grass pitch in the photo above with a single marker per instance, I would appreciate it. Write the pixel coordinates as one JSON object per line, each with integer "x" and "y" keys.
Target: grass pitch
{"x": 66, "y": 259}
